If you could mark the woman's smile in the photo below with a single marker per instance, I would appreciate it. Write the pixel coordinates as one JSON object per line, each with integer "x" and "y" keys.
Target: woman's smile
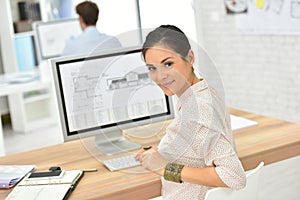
{"x": 168, "y": 84}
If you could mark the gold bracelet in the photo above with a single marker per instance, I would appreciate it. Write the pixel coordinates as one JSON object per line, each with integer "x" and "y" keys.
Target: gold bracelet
{"x": 173, "y": 172}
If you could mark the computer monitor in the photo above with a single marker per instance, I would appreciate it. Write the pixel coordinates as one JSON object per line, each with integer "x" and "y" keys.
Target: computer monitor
{"x": 51, "y": 36}
{"x": 105, "y": 95}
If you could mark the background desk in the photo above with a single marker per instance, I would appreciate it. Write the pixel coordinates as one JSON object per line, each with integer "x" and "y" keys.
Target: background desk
{"x": 270, "y": 141}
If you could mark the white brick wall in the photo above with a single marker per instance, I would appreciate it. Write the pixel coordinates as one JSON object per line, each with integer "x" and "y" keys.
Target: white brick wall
{"x": 260, "y": 73}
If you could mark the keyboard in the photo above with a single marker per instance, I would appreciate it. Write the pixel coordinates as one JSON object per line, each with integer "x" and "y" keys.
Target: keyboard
{"x": 122, "y": 162}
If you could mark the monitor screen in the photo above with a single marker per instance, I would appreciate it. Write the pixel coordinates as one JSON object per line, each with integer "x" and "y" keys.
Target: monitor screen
{"x": 106, "y": 94}
{"x": 52, "y": 36}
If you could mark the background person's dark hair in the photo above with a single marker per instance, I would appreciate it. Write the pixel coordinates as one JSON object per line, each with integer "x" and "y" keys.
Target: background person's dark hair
{"x": 169, "y": 36}
{"x": 89, "y": 12}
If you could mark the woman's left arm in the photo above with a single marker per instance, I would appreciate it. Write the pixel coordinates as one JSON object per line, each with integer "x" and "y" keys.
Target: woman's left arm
{"x": 225, "y": 171}
{"x": 153, "y": 161}
{"x": 224, "y": 168}
{"x": 203, "y": 176}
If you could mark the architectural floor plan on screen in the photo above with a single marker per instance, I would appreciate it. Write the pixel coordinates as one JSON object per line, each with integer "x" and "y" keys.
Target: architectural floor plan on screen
{"x": 113, "y": 91}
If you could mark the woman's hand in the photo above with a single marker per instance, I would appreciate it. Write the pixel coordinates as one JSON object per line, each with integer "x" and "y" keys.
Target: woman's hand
{"x": 152, "y": 160}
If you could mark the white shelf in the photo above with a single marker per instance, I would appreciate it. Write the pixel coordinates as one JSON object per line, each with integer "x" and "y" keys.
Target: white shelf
{"x": 38, "y": 97}
{"x": 24, "y": 34}
{"x": 23, "y": 87}
{"x": 40, "y": 123}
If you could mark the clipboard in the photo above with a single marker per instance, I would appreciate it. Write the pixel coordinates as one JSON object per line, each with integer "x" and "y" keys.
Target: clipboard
{"x": 49, "y": 188}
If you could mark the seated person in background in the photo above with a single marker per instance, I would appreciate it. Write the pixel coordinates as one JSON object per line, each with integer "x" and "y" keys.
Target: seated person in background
{"x": 91, "y": 39}
{"x": 197, "y": 151}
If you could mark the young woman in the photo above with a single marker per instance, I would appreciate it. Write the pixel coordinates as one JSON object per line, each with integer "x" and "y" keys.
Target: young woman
{"x": 197, "y": 152}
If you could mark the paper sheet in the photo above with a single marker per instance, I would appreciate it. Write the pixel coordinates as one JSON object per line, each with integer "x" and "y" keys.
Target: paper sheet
{"x": 240, "y": 122}
{"x": 11, "y": 174}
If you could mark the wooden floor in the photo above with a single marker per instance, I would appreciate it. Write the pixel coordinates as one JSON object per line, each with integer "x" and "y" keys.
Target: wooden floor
{"x": 279, "y": 181}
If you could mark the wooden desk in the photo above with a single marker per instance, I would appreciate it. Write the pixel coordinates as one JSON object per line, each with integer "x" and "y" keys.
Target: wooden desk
{"x": 270, "y": 141}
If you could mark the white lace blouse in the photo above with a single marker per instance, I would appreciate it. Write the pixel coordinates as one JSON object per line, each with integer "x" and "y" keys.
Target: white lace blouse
{"x": 200, "y": 136}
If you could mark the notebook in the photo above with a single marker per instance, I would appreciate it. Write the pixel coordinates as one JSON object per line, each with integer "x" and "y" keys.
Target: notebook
{"x": 12, "y": 174}
{"x": 47, "y": 188}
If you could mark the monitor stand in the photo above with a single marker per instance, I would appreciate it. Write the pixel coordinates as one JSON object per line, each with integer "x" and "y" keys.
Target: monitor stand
{"x": 114, "y": 142}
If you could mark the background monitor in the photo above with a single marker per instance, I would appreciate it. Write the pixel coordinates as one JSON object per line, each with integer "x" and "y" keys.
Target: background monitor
{"x": 51, "y": 36}
{"x": 106, "y": 94}
{"x": 25, "y": 52}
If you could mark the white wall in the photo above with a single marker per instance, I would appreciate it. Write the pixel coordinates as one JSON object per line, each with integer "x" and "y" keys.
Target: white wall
{"x": 3, "y": 100}
{"x": 118, "y": 18}
{"x": 7, "y": 53}
{"x": 176, "y": 12}
{"x": 260, "y": 73}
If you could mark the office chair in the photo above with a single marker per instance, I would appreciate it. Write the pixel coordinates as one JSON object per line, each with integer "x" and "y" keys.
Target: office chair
{"x": 247, "y": 193}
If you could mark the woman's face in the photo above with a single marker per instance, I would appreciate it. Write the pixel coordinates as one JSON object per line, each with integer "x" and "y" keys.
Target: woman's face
{"x": 169, "y": 70}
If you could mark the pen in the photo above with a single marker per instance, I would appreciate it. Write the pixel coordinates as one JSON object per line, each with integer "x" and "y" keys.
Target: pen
{"x": 90, "y": 170}
{"x": 147, "y": 148}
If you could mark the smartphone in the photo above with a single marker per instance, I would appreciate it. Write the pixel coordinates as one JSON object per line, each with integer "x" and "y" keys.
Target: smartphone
{"x": 50, "y": 174}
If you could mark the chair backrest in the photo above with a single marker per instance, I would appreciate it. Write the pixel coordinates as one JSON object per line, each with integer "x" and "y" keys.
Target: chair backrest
{"x": 247, "y": 193}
